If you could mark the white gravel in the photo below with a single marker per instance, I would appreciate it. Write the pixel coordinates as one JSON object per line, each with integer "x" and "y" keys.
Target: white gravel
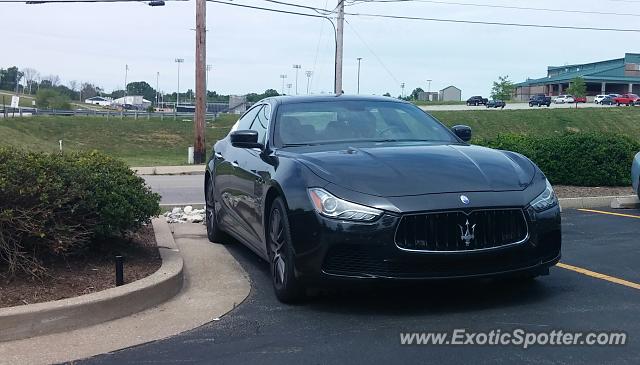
{"x": 185, "y": 215}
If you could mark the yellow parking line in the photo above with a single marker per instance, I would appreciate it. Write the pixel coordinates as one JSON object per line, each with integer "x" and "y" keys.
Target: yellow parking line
{"x": 610, "y": 213}
{"x": 597, "y": 275}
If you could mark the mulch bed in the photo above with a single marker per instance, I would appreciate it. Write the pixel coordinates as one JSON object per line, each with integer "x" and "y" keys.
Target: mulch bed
{"x": 564, "y": 191}
{"x": 92, "y": 272}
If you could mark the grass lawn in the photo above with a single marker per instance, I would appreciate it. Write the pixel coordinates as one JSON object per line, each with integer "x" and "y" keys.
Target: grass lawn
{"x": 139, "y": 142}
{"x": 488, "y": 124}
{"x": 154, "y": 142}
{"x": 25, "y": 100}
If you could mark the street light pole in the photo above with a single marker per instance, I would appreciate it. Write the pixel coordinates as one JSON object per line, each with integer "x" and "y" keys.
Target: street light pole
{"x": 308, "y": 73}
{"x": 402, "y": 87}
{"x": 157, "y": 89}
{"x": 359, "y": 59}
{"x": 283, "y": 76}
{"x": 297, "y": 68}
{"x": 126, "y": 89}
{"x": 429, "y": 90}
{"x": 209, "y": 67}
{"x": 178, "y": 61}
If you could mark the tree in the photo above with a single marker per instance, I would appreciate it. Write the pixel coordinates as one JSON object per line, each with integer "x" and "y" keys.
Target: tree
{"x": 30, "y": 76}
{"x": 415, "y": 93}
{"x": 577, "y": 87}
{"x": 502, "y": 89}
{"x": 10, "y": 78}
{"x": 50, "y": 98}
{"x": 141, "y": 88}
{"x": 89, "y": 90}
{"x": 386, "y": 94}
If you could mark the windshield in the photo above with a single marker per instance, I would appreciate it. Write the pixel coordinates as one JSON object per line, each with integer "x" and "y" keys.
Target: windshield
{"x": 356, "y": 121}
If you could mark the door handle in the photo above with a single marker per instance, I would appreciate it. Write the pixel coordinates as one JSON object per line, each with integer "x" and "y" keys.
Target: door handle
{"x": 218, "y": 155}
{"x": 235, "y": 164}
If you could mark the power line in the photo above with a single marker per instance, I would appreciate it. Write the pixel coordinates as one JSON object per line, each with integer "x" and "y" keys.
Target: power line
{"x": 38, "y": 2}
{"x": 358, "y": 2}
{"x": 458, "y": 21}
{"x": 372, "y": 52}
{"x": 525, "y": 25}
{"x": 274, "y": 10}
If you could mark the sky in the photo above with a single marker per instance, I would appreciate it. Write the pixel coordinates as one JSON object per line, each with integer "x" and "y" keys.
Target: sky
{"x": 249, "y": 49}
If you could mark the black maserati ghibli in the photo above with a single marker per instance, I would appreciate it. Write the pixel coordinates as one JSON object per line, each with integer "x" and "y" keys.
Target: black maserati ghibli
{"x": 374, "y": 188}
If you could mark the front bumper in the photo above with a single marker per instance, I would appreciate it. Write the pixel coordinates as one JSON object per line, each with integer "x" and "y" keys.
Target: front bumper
{"x": 331, "y": 249}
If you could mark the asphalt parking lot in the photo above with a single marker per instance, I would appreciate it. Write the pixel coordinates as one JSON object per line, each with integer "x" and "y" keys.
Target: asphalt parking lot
{"x": 362, "y": 325}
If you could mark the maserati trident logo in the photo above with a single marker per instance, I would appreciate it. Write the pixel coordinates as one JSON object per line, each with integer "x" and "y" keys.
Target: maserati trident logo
{"x": 464, "y": 199}
{"x": 467, "y": 235}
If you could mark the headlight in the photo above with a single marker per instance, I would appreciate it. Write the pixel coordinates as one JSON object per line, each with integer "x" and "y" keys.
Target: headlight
{"x": 545, "y": 200}
{"x": 333, "y": 207}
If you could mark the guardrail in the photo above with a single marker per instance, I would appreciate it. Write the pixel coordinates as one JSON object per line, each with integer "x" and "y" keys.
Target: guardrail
{"x": 9, "y": 112}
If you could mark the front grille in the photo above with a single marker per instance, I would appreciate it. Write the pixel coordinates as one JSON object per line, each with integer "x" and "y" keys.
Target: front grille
{"x": 460, "y": 231}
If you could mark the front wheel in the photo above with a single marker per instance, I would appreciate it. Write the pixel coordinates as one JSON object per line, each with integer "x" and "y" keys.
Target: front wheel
{"x": 214, "y": 233}
{"x": 287, "y": 287}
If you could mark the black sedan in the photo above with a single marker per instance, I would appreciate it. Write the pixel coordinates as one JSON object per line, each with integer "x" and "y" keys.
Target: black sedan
{"x": 370, "y": 188}
{"x": 496, "y": 104}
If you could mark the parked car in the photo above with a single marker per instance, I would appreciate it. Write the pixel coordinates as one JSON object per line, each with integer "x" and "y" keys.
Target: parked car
{"x": 477, "y": 100}
{"x": 613, "y": 96}
{"x": 607, "y": 100}
{"x": 496, "y": 104}
{"x": 330, "y": 188}
{"x": 626, "y": 99}
{"x": 599, "y": 98}
{"x": 540, "y": 100}
{"x": 637, "y": 103}
{"x": 635, "y": 174}
{"x": 580, "y": 99}
{"x": 562, "y": 99}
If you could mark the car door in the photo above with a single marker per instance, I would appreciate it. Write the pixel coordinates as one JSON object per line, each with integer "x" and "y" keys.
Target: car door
{"x": 254, "y": 172}
{"x": 229, "y": 180}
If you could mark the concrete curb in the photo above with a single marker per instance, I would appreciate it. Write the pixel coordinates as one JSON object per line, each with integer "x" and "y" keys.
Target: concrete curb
{"x": 170, "y": 170}
{"x": 597, "y": 202}
{"x": 86, "y": 310}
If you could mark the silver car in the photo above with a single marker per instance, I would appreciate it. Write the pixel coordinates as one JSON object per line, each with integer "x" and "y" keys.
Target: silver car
{"x": 635, "y": 174}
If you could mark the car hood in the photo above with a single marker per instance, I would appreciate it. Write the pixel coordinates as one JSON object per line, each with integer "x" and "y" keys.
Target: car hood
{"x": 392, "y": 171}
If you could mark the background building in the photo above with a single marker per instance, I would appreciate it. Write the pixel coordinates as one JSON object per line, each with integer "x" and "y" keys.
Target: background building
{"x": 619, "y": 76}
{"x": 136, "y": 101}
{"x": 428, "y": 96}
{"x": 450, "y": 93}
{"x": 99, "y": 100}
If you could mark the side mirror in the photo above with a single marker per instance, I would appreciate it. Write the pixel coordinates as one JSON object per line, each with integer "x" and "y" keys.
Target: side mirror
{"x": 245, "y": 139}
{"x": 462, "y": 131}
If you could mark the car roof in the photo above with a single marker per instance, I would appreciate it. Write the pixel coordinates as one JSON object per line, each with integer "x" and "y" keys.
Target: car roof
{"x": 286, "y": 99}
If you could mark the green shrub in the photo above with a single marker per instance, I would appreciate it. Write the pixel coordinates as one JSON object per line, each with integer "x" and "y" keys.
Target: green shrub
{"x": 55, "y": 205}
{"x": 581, "y": 159}
{"x": 49, "y": 98}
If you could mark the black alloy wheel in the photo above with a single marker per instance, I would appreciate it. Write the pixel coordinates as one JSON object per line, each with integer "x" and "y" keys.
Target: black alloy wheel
{"x": 214, "y": 233}
{"x": 287, "y": 287}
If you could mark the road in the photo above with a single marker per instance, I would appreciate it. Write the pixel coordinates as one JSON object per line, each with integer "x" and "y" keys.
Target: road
{"x": 362, "y": 325}
{"x": 178, "y": 189}
{"x": 512, "y": 106}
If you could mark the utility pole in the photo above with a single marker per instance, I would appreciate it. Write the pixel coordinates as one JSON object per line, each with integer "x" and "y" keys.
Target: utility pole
{"x": 359, "y": 59}
{"x": 178, "y": 61}
{"x": 289, "y": 88}
{"x": 308, "y": 73}
{"x": 199, "y": 153}
{"x": 429, "y": 90}
{"x": 158, "y": 89}
{"x": 297, "y": 68}
{"x": 283, "y": 77}
{"x": 402, "y": 87}
{"x": 339, "y": 48}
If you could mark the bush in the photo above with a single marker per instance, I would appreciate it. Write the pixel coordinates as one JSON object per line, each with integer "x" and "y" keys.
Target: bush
{"x": 56, "y": 205}
{"x": 49, "y": 98}
{"x": 581, "y": 159}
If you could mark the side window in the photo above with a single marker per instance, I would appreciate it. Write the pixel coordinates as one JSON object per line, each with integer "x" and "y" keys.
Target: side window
{"x": 247, "y": 119}
{"x": 261, "y": 123}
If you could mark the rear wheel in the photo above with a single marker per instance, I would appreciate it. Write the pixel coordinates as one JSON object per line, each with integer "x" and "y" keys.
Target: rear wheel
{"x": 287, "y": 287}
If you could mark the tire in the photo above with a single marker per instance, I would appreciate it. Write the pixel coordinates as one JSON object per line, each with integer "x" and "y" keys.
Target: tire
{"x": 286, "y": 286}
{"x": 214, "y": 233}
{"x": 530, "y": 105}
